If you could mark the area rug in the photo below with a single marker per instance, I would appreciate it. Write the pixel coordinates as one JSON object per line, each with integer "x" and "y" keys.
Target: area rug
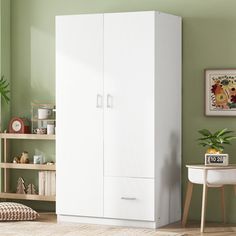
{"x": 73, "y": 229}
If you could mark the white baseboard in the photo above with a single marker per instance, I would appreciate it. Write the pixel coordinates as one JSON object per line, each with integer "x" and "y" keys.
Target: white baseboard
{"x": 107, "y": 221}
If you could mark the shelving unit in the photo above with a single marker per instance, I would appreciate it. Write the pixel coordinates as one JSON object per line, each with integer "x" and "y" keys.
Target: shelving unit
{"x": 6, "y": 165}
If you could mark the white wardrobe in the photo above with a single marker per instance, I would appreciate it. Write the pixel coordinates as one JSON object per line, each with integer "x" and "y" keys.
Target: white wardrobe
{"x": 118, "y": 98}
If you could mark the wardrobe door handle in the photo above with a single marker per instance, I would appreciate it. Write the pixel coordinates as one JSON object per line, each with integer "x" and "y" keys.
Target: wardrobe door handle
{"x": 99, "y": 101}
{"x": 129, "y": 198}
{"x": 109, "y": 101}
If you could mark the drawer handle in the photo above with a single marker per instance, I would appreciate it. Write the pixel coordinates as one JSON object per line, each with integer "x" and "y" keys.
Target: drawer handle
{"x": 129, "y": 198}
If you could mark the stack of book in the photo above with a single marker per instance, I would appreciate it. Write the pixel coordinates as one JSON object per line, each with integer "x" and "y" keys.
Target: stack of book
{"x": 47, "y": 183}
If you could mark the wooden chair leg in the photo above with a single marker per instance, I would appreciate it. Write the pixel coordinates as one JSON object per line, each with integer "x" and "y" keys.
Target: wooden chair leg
{"x": 204, "y": 203}
{"x": 187, "y": 203}
{"x": 223, "y": 204}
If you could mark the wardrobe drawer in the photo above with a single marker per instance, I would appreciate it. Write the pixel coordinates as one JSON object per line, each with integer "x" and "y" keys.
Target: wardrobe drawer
{"x": 129, "y": 198}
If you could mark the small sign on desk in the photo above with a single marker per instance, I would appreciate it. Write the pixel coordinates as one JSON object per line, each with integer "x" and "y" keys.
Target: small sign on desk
{"x": 217, "y": 159}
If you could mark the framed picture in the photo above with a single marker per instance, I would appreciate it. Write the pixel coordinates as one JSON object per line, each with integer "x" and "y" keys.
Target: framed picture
{"x": 220, "y": 92}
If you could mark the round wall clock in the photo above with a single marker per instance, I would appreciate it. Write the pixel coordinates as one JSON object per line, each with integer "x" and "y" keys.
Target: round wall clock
{"x": 19, "y": 125}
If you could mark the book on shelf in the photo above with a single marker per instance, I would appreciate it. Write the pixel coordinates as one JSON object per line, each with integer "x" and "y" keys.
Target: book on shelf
{"x": 47, "y": 183}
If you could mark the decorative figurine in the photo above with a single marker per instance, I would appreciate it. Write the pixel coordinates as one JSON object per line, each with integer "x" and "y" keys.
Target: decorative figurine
{"x": 50, "y": 163}
{"x": 16, "y": 160}
{"x": 20, "y": 186}
{"x": 31, "y": 189}
{"x": 24, "y": 157}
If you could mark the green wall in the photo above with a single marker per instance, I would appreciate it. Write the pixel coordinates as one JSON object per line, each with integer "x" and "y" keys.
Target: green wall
{"x": 4, "y": 54}
{"x": 4, "y": 59}
{"x": 209, "y": 36}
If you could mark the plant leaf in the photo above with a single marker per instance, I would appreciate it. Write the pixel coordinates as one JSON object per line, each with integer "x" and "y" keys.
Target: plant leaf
{"x": 3, "y": 89}
{"x": 226, "y": 142}
{"x": 229, "y": 138}
{"x": 227, "y": 132}
{"x": 205, "y": 132}
{"x": 219, "y": 140}
{"x": 204, "y": 138}
{"x": 220, "y": 132}
{"x": 203, "y": 144}
{"x": 209, "y": 143}
{"x": 218, "y": 147}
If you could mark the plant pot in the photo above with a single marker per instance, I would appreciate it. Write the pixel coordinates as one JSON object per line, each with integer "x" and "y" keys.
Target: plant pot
{"x": 213, "y": 151}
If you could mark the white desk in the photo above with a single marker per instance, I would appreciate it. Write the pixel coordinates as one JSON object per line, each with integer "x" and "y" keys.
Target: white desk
{"x": 208, "y": 176}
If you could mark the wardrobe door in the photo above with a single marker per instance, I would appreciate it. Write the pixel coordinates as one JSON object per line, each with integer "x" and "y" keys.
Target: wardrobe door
{"x": 129, "y": 94}
{"x": 79, "y": 128}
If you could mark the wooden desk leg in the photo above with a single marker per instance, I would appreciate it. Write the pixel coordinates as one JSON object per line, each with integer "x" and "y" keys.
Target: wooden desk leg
{"x": 204, "y": 201}
{"x": 187, "y": 203}
{"x": 223, "y": 204}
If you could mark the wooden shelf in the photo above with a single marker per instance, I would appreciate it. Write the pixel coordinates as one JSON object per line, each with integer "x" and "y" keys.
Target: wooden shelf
{"x": 27, "y": 197}
{"x": 36, "y": 119}
{"x": 28, "y": 136}
{"x": 28, "y": 166}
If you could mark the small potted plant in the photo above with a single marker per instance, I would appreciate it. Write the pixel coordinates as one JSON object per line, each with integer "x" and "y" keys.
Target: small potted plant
{"x": 215, "y": 141}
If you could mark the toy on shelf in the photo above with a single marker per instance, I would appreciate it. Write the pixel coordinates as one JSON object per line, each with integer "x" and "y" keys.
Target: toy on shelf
{"x": 24, "y": 158}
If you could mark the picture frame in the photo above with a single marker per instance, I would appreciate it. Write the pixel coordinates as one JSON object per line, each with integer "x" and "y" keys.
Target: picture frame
{"x": 220, "y": 92}
{"x": 217, "y": 159}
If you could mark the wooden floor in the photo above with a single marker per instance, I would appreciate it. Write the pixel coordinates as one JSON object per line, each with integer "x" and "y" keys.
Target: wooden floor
{"x": 193, "y": 228}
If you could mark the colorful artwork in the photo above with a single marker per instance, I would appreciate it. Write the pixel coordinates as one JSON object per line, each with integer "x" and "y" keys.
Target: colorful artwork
{"x": 220, "y": 92}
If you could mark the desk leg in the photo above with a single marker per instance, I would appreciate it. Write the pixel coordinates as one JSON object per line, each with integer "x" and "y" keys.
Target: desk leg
{"x": 223, "y": 204}
{"x": 204, "y": 200}
{"x": 187, "y": 203}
